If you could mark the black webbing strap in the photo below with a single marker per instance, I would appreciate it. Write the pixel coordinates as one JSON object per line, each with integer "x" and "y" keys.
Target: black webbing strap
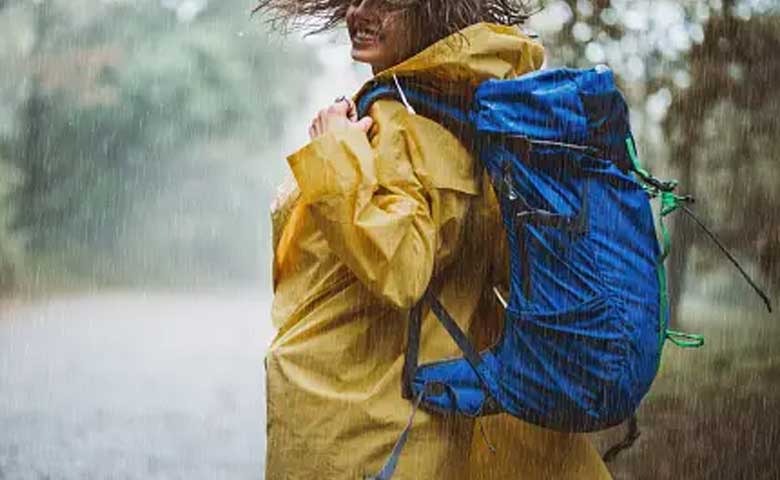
{"x": 628, "y": 441}
{"x": 410, "y": 370}
{"x": 412, "y": 351}
{"x": 459, "y": 336}
{"x": 577, "y": 223}
{"x": 388, "y": 469}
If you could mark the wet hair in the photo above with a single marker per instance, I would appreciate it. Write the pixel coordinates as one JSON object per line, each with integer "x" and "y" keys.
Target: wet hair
{"x": 428, "y": 20}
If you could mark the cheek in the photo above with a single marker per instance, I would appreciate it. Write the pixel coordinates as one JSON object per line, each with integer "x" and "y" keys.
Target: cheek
{"x": 397, "y": 40}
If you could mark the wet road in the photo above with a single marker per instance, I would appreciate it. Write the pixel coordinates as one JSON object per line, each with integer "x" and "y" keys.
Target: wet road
{"x": 133, "y": 386}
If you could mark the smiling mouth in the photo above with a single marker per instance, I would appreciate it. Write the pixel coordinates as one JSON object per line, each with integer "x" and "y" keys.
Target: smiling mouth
{"x": 364, "y": 35}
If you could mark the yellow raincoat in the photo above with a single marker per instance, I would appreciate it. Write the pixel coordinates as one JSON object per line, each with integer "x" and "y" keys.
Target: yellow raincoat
{"x": 375, "y": 220}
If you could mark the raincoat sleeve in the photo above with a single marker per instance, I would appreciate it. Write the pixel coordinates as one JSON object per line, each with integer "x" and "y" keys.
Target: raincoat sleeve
{"x": 391, "y": 206}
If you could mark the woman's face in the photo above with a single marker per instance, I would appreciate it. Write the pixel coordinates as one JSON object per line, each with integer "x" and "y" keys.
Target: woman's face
{"x": 378, "y": 34}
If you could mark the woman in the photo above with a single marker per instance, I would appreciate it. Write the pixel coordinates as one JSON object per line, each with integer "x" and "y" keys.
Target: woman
{"x": 387, "y": 205}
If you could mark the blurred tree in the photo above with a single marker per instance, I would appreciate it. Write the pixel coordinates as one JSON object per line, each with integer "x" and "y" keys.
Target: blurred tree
{"x": 725, "y": 135}
{"x": 123, "y": 115}
{"x": 117, "y": 102}
{"x": 10, "y": 243}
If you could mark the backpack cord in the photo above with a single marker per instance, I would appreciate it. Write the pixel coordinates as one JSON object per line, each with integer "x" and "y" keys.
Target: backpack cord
{"x": 728, "y": 255}
{"x": 628, "y": 441}
{"x": 405, "y": 101}
{"x": 671, "y": 202}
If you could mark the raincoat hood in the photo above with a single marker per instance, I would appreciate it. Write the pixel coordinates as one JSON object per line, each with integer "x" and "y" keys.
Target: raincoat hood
{"x": 465, "y": 59}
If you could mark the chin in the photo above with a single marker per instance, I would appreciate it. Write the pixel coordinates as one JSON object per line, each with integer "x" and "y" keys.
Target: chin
{"x": 366, "y": 56}
{"x": 361, "y": 56}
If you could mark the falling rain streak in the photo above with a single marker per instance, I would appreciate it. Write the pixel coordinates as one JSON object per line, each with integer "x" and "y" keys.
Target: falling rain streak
{"x": 142, "y": 143}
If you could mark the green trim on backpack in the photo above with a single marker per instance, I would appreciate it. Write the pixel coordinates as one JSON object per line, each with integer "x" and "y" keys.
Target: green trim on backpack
{"x": 669, "y": 204}
{"x": 664, "y": 301}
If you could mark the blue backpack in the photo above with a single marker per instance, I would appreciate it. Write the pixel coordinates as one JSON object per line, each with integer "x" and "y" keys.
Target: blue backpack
{"x": 587, "y": 313}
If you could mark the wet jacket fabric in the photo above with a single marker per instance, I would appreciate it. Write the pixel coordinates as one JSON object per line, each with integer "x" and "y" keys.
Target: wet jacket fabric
{"x": 371, "y": 221}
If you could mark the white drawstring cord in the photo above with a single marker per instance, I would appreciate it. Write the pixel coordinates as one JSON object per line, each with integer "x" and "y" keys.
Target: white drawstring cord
{"x": 500, "y": 297}
{"x": 409, "y": 107}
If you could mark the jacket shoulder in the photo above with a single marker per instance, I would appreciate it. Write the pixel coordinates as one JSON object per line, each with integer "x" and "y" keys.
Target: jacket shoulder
{"x": 437, "y": 157}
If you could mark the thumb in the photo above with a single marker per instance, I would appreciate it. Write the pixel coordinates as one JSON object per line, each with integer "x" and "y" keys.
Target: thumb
{"x": 365, "y": 124}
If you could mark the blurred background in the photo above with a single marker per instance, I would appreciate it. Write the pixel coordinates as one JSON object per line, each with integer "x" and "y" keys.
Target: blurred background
{"x": 141, "y": 143}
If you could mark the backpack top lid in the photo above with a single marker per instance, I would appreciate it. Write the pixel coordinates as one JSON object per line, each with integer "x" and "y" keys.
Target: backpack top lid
{"x": 575, "y": 107}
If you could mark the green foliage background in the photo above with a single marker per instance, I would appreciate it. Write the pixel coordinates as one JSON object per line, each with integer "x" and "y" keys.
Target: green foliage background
{"x": 10, "y": 243}
{"x": 140, "y": 130}
{"x": 139, "y": 140}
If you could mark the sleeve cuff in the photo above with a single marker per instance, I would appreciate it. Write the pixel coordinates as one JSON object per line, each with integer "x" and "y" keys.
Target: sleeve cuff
{"x": 337, "y": 163}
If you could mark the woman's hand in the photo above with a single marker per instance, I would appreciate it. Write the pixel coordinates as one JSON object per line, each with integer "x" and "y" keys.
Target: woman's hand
{"x": 341, "y": 115}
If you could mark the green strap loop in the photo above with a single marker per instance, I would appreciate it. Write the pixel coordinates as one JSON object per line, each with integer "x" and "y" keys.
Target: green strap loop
{"x": 669, "y": 203}
{"x": 685, "y": 340}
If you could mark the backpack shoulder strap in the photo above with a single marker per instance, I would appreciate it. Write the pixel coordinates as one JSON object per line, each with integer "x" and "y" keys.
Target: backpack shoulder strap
{"x": 376, "y": 91}
{"x": 447, "y": 111}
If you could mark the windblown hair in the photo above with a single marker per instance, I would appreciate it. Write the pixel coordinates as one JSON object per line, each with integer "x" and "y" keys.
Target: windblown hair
{"x": 428, "y": 20}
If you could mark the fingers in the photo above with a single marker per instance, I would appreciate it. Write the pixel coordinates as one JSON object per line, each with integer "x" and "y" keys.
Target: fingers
{"x": 352, "y": 112}
{"x": 315, "y": 129}
{"x": 335, "y": 111}
{"x": 339, "y": 108}
{"x": 365, "y": 124}
{"x": 342, "y": 114}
